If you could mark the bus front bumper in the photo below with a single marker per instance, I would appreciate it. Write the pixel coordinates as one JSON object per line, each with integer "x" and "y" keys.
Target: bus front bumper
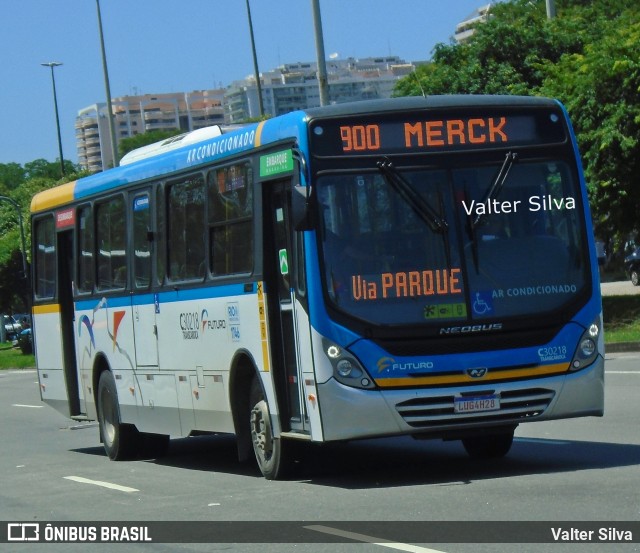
{"x": 351, "y": 413}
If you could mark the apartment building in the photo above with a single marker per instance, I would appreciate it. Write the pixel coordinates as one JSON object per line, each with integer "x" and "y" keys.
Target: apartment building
{"x": 467, "y": 27}
{"x": 287, "y": 88}
{"x": 186, "y": 111}
{"x": 295, "y": 86}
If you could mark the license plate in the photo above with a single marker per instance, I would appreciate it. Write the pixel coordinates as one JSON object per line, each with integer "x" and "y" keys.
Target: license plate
{"x": 476, "y": 404}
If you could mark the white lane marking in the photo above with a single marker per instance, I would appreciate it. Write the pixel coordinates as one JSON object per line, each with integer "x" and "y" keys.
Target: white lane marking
{"x": 29, "y": 406}
{"x": 622, "y": 372}
{"x": 109, "y": 485}
{"x": 373, "y": 540}
{"x": 547, "y": 441}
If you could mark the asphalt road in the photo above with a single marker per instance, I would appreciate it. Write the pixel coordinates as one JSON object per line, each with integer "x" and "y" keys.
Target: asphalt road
{"x": 53, "y": 470}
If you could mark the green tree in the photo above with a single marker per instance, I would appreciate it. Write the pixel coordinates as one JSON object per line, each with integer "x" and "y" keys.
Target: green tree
{"x": 12, "y": 175}
{"x": 601, "y": 89}
{"x": 14, "y": 285}
{"x": 48, "y": 169}
{"x": 38, "y": 175}
{"x": 588, "y": 57}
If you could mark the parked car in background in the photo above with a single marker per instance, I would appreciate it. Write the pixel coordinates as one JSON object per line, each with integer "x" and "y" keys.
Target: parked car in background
{"x": 11, "y": 327}
{"x": 632, "y": 266}
{"x": 24, "y": 319}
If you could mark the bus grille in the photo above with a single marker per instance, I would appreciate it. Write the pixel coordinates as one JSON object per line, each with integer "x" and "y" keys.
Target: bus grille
{"x": 438, "y": 411}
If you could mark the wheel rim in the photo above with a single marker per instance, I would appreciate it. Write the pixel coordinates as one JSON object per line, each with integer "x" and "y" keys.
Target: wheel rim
{"x": 261, "y": 434}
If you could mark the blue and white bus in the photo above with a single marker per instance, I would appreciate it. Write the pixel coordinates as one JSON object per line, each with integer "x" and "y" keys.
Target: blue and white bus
{"x": 415, "y": 266}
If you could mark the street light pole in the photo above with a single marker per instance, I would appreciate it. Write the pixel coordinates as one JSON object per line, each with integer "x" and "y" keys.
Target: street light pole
{"x": 255, "y": 63}
{"x": 323, "y": 82}
{"x": 112, "y": 128}
{"x": 551, "y": 9}
{"x": 51, "y": 65}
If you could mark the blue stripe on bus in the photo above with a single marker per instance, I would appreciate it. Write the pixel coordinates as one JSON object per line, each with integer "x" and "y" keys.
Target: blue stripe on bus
{"x": 195, "y": 155}
{"x": 169, "y": 296}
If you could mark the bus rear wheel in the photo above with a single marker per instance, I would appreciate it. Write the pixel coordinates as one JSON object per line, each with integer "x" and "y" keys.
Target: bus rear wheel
{"x": 271, "y": 453}
{"x": 489, "y": 446}
{"x": 119, "y": 440}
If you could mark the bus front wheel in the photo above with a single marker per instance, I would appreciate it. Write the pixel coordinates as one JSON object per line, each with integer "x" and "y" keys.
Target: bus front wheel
{"x": 490, "y": 446}
{"x": 119, "y": 439}
{"x": 270, "y": 452}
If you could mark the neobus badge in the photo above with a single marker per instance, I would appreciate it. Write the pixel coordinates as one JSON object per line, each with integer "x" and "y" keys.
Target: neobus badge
{"x": 65, "y": 218}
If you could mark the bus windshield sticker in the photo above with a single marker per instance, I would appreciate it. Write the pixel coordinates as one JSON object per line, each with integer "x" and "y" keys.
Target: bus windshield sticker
{"x": 445, "y": 311}
{"x": 483, "y": 303}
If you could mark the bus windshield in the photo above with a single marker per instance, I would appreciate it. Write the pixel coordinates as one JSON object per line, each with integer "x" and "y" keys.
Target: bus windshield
{"x": 419, "y": 245}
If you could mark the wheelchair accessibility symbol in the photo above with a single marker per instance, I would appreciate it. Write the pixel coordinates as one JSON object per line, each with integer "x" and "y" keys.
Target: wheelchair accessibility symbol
{"x": 480, "y": 305}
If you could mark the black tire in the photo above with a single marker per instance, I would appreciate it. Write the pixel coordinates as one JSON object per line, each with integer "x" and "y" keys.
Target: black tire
{"x": 489, "y": 446}
{"x": 272, "y": 454}
{"x": 120, "y": 440}
{"x": 635, "y": 277}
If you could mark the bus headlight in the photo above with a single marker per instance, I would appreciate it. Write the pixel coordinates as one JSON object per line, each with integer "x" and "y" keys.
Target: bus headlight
{"x": 346, "y": 368}
{"x": 587, "y": 349}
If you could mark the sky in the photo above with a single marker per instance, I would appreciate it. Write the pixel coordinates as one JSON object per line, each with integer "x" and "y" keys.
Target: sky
{"x": 160, "y": 46}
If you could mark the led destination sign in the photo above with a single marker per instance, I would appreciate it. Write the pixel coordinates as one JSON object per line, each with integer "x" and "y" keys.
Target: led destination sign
{"x": 378, "y": 135}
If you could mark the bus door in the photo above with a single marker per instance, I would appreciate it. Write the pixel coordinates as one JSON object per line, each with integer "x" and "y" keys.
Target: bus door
{"x": 143, "y": 302}
{"x": 67, "y": 316}
{"x": 280, "y": 271}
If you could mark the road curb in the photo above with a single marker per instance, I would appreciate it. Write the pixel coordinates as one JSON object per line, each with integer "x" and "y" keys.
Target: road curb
{"x": 622, "y": 347}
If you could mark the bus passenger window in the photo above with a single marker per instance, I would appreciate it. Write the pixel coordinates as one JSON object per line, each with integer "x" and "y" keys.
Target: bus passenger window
{"x": 185, "y": 229}
{"x": 231, "y": 219}
{"x": 86, "y": 257}
{"x": 141, "y": 244}
{"x": 111, "y": 240}
{"x": 45, "y": 253}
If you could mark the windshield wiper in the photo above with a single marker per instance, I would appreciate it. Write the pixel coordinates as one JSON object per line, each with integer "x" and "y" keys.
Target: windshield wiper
{"x": 409, "y": 195}
{"x": 492, "y": 194}
{"x": 496, "y": 186}
{"x": 420, "y": 206}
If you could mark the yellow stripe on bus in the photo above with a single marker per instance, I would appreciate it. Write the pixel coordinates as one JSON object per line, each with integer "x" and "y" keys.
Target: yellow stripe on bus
{"x": 53, "y": 197}
{"x": 264, "y": 329}
{"x": 258, "y": 141}
{"x": 48, "y": 308}
{"x": 526, "y": 372}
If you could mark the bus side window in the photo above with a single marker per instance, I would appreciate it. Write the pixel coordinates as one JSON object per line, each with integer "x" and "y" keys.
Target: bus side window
{"x": 45, "y": 253}
{"x": 86, "y": 255}
{"x": 111, "y": 240}
{"x": 141, "y": 244}
{"x": 160, "y": 238}
{"x": 185, "y": 229}
{"x": 231, "y": 219}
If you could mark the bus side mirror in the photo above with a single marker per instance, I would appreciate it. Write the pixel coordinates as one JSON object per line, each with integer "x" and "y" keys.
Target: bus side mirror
{"x": 302, "y": 214}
